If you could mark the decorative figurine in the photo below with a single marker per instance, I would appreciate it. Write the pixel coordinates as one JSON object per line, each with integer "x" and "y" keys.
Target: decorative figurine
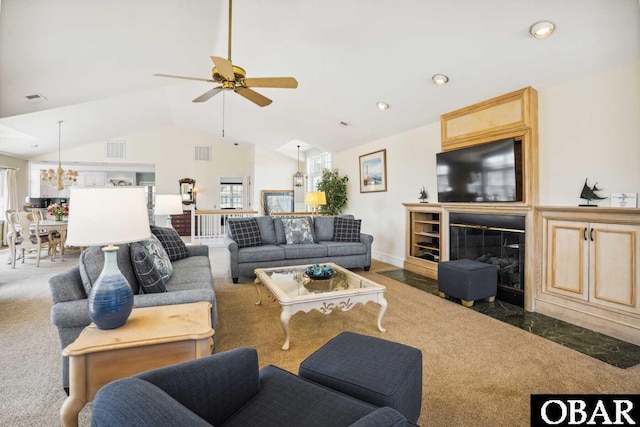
{"x": 589, "y": 193}
{"x": 423, "y": 195}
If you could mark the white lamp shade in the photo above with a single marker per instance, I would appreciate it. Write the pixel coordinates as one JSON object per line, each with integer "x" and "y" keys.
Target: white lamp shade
{"x": 110, "y": 215}
{"x": 168, "y": 204}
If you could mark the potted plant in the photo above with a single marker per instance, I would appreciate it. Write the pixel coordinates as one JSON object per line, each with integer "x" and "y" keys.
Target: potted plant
{"x": 335, "y": 189}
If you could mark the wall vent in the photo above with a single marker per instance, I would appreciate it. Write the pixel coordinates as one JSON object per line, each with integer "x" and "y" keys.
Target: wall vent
{"x": 116, "y": 149}
{"x": 36, "y": 97}
{"x": 202, "y": 153}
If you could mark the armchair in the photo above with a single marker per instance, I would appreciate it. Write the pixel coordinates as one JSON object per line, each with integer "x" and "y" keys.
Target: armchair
{"x": 229, "y": 389}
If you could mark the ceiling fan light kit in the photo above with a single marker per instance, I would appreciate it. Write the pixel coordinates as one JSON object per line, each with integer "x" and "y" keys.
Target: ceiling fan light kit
{"x": 542, "y": 29}
{"x": 440, "y": 79}
{"x": 234, "y": 78}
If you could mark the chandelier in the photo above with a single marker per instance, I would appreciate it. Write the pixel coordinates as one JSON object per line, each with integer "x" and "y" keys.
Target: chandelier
{"x": 298, "y": 177}
{"x": 59, "y": 178}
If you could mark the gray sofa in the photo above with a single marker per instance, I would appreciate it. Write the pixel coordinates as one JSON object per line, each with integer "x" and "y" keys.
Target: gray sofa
{"x": 229, "y": 389}
{"x": 274, "y": 252}
{"x": 191, "y": 281}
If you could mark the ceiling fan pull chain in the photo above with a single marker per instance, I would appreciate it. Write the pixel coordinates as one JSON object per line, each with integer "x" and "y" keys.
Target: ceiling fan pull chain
{"x": 229, "y": 42}
{"x": 223, "y": 99}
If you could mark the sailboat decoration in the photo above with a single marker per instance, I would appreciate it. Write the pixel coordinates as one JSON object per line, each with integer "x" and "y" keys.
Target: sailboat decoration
{"x": 589, "y": 193}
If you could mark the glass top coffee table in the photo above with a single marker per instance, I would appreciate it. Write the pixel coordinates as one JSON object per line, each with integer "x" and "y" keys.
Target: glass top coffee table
{"x": 295, "y": 292}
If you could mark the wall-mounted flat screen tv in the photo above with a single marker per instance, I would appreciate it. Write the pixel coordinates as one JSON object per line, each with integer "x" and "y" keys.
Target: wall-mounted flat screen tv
{"x": 483, "y": 173}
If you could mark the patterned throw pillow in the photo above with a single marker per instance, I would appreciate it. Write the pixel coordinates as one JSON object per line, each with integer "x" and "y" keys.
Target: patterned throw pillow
{"x": 297, "y": 230}
{"x": 346, "y": 230}
{"x": 245, "y": 232}
{"x": 159, "y": 256}
{"x": 149, "y": 277}
{"x": 171, "y": 242}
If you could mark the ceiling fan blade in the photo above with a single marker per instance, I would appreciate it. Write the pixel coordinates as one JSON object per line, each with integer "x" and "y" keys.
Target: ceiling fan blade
{"x": 279, "y": 82}
{"x": 253, "y": 96}
{"x": 208, "y": 95}
{"x": 184, "y": 78}
{"x": 225, "y": 68}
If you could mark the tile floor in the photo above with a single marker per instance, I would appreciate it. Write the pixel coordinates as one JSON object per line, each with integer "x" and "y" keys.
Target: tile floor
{"x": 605, "y": 348}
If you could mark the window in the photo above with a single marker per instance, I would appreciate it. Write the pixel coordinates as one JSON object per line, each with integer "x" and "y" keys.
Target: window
{"x": 3, "y": 196}
{"x": 315, "y": 166}
{"x": 232, "y": 193}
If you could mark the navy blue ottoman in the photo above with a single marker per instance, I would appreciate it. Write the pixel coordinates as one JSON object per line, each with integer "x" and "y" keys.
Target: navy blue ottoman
{"x": 467, "y": 280}
{"x": 377, "y": 371}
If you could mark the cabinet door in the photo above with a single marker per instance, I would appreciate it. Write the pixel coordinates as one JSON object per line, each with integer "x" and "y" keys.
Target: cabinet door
{"x": 567, "y": 258}
{"x": 92, "y": 179}
{"x": 614, "y": 270}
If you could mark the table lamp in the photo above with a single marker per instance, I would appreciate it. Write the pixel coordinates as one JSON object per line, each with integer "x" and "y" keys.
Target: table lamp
{"x": 108, "y": 216}
{"x": 315, "y": 198}
{"x": 168, "y": 204}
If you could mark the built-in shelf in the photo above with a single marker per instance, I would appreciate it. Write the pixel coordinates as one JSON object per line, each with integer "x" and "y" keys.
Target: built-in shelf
{"x": 424, "y": 225}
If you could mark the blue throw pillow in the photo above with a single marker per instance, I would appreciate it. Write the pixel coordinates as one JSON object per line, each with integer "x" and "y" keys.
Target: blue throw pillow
{"x": 159, "y": 257}
{"x": 297, "y": 231}
{"x": 148, "y": 276}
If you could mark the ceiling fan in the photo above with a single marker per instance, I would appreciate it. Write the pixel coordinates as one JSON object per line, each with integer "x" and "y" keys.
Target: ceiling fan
{"x": 232, "y": 77}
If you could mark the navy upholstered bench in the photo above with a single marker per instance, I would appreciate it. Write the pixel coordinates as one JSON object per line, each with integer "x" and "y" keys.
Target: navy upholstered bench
{"x": 377, "y": 371}
{"x": 467, "y": 280}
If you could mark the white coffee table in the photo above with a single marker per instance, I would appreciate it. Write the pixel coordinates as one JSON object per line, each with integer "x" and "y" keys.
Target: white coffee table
{"x": 295, "y": 292}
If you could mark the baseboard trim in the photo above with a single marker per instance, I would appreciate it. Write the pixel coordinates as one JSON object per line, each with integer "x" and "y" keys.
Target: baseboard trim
{"x": 389, "y": 259}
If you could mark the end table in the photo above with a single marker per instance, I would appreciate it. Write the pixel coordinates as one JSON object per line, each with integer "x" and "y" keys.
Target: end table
{"x": 153, "y": 337}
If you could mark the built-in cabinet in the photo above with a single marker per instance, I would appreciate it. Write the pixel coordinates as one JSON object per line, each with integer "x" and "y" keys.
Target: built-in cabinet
{"x": 424, "y": 240}
{"x": 590, "y": 272}
{"x": 92, "y": 179}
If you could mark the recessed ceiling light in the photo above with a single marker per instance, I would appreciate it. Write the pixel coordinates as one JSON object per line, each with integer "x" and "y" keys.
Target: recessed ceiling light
{"x": 542, "y": 29}
{"x": 440, "y": 79}
{"x": 382, "y": 106}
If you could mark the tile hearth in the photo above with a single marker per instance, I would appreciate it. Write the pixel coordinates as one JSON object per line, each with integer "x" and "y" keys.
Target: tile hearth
{"x": 602, "y": 347}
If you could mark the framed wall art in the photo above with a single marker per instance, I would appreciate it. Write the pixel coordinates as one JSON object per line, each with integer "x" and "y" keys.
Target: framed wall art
{"x": 624, "y": 200}
{"x": 276, "y": 201}
{"x": 373, "y": 172}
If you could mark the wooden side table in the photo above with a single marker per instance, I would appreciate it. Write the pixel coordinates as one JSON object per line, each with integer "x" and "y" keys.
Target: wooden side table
{"x": 153, "y": 337}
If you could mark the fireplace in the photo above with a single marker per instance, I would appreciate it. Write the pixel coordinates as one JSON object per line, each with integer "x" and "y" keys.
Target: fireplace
{"x": 494, "y": 239}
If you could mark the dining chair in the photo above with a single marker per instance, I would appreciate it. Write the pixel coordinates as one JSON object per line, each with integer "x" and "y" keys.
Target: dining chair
{"x": 10, "y": 234}
{"x": 26, "y": 235}
{"x": 54, "y": 239}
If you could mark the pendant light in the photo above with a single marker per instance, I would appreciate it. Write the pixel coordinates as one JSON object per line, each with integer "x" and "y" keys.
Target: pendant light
{"x": 59, "y": 178}
{"x": 298, "y": 177}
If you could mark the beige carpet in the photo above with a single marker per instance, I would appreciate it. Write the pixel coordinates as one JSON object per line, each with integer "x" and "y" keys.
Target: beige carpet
{"x": 477, "y": 370}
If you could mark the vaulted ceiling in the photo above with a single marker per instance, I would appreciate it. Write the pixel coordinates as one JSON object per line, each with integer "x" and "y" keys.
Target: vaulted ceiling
{"x": 93, "y": 61}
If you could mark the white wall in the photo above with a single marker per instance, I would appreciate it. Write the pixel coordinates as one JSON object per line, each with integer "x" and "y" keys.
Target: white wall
{"x": 590, "y": 128}
{"x": 171, "y": 150}
{"x": 273, "y": 171}
{"x": 411, "y": 164}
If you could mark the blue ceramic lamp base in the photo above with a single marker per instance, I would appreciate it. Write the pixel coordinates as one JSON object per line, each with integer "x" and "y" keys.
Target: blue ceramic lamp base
{"x": 111, "y": 298}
